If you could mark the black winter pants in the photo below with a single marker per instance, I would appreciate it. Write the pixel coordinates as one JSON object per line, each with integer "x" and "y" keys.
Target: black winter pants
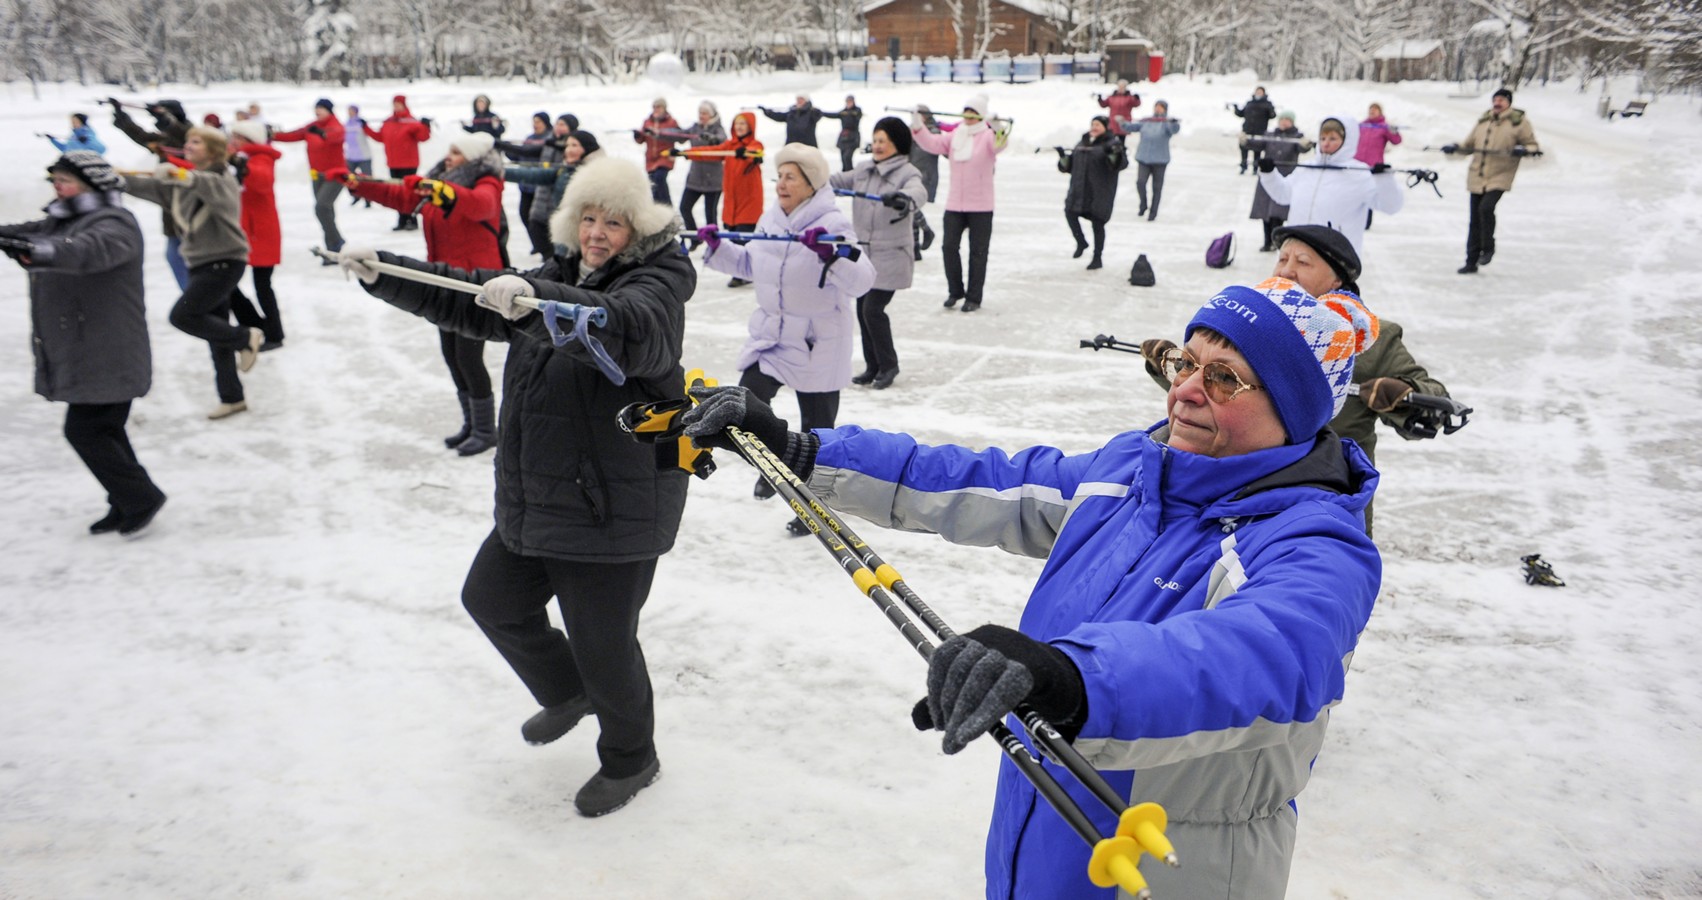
{"x": 204, "y": 312}
{"x": 711, "y": 208}
{"x": 466, "y": 360}
{"x": 266, "y": 317}
{"x": 1480, "y": 237}
{"x": 599, "y": 657}
{"x": 879, "y": 355}
{"x": 1155, "y": 171}
{"x": 96, "y": 432}
{"x": 817, "y": 410}
{"x": 980, "y": 228}
{"x": 404, "y": 219}
{"x": 846, "y": 151}
{"x": 1098, "y": 233}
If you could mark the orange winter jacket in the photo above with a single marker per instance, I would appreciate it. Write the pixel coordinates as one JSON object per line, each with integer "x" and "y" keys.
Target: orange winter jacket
{"x": 741, "y": 179}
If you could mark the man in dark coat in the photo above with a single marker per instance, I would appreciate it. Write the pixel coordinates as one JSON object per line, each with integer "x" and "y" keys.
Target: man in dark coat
{"x": 89, "y": 333}
{"x": 582, "y": 511}
{"x": 1256, "y": 116}
{"x": 1092, "y": 165}
{"x": 800, "y": 120}
{"x": 171, "y": 126}
{"x": 850, "y": 130}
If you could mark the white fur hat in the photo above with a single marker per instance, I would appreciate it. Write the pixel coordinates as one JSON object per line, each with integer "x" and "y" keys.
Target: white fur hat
{"x": 808, "y": 160}
{"x": 473, "y": 144}
{"x": 249, "y": 130}
{"x": 618, "y": 186}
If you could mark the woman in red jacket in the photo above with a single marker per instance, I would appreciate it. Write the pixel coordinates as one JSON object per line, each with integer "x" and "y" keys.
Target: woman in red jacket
{"x": 741, "y": 179}
{"x": 260, "y": 222}
{"x": 402, "y": 135}
{"x": 460, "y": 200}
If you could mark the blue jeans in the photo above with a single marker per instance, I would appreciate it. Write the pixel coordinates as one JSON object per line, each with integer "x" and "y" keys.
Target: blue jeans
{"x": 174, "y": 258}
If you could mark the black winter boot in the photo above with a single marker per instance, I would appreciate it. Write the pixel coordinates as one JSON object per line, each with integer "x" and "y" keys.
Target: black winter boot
{"x": 483, "y": 435}
{"x": 603, "y": 795}
{"x": 455, "y": 439}
{"x": 552, "y": 722}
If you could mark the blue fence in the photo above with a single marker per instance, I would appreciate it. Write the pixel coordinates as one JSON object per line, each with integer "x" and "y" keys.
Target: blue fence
{"x": 991, "y": 69}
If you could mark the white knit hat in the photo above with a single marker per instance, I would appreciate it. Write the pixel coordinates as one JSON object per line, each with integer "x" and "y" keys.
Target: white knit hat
{"x": 473, "y": 144}
{"x": 977, "y": 103}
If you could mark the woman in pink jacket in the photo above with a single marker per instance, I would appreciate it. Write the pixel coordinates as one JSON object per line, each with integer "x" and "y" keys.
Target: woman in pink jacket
{"x": 805, "y": 323}
{"x": 1375, "y": 135}
{"x": 971, "y": 149}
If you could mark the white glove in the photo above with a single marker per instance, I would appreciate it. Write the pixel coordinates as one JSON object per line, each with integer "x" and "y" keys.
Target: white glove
{"x": 167, "y": 172}
{"x": 917, "y": 123}
{"x": 354, "y": 261}
{"x": 498, "y": 296}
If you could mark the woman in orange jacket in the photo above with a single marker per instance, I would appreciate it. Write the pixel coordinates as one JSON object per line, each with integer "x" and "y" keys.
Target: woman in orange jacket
{"x": 741, "y": 179}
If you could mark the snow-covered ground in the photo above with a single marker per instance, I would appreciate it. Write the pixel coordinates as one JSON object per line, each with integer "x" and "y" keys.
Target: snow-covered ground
{"x": 275, "y": 693}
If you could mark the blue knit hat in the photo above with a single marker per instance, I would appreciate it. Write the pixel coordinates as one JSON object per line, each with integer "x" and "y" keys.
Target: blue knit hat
{"x": 1301, "y": 347}
{"x": 325, "y": 102}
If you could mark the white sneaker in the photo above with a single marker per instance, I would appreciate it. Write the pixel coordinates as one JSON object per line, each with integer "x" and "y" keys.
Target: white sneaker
{"x": 247, "y": 357}
{"x": 226, "y": 410}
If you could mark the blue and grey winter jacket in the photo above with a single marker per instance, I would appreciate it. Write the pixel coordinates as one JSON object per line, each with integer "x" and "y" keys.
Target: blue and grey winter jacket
{"x": 82, "y": 138}
{"x": 1212, "y": 606}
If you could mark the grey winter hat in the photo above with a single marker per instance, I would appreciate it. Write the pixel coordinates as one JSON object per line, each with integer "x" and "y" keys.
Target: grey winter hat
{"x": 91, "y": 167}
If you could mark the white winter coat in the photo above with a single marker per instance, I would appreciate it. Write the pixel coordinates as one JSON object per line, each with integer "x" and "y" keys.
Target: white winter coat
{"x": 1336, "y": 198}
{"x": 803, "y": 330}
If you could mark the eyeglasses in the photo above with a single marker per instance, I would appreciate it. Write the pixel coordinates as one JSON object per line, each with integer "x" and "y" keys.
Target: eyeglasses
{"x": 1221, "y": 383}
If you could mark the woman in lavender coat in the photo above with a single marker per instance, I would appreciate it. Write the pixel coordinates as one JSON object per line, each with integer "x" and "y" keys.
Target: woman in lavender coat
{"x": 805, "y": 324}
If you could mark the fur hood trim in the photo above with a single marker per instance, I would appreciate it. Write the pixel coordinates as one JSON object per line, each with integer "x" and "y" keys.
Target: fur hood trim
{"x": 618, "y": 186}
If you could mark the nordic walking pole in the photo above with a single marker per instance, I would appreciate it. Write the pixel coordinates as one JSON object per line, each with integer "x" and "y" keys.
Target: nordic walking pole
{"x": 597, "y": 314}
{"x": 1108, "y": 342}
{"x": 1053, "y": 743}
{"x": 1115, "y": 860}
{"x": 763, "y": 236}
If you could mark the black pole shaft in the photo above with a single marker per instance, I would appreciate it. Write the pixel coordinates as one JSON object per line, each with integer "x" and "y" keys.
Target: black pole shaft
{"x": 858, "y": 558}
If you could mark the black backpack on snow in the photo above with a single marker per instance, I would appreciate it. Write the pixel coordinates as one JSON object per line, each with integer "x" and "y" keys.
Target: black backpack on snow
{"x": 1141, "y": 275}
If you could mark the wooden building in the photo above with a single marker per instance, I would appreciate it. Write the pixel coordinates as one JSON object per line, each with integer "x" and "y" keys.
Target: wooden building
{"x": 924, "y": 27}
{"x": 1412, "y": 60}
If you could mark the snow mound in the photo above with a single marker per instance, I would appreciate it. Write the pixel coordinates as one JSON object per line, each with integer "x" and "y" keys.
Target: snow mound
{"x": 667, "y": 69}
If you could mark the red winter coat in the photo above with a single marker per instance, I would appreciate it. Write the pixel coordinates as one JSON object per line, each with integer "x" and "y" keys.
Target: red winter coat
{"x": 463, "y": 237}
{"x": 741, "y": 179}
{"x": 1122, "y": 107}
{"x": 647, "y": 134}
{"x": 259, "y": 207}
{"x": 401, "y": 136}
{"x": 323, "y": 152}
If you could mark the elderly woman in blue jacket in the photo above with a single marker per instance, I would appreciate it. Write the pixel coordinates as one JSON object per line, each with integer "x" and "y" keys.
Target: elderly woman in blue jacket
{"x": 1206, "y": 581}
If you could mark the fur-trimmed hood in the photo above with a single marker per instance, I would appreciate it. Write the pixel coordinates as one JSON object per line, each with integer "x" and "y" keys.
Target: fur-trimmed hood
{"x": 621, "y": 187}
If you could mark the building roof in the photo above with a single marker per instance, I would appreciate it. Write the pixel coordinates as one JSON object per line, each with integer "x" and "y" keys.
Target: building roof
{"x": 1412, "y": 49}
{"x": 1043, "y": 8}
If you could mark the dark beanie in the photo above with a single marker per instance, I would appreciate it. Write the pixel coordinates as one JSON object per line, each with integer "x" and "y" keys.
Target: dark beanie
{"x": 325, "y": 102}
{"x": 1504, "y": 93}
{"x": 543, "y": 117}
{"x": 1329, "y": 243}
{"x": 897, "y": 132}
{"x": 571, "y": 120}
{"x": 587, "y": 140}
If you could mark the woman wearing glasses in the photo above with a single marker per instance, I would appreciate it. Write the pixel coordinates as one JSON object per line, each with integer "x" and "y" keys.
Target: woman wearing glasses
{"x": 1207, "y": 579}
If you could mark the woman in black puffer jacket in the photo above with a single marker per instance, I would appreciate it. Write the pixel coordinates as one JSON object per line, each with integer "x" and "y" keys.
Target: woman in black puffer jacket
{"x": 582, "y": 511}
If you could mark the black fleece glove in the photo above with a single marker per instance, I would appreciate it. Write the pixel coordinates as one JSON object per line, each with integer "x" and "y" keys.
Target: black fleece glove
{"x": 720, "y": 408}
{"x": 976, "y": 679}
{"x": 1266, "y": 165}
{"x": 900, "y": 202}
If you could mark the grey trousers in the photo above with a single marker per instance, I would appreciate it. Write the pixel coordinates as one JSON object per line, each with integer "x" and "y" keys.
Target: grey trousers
{"x": 324, "y": 197}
